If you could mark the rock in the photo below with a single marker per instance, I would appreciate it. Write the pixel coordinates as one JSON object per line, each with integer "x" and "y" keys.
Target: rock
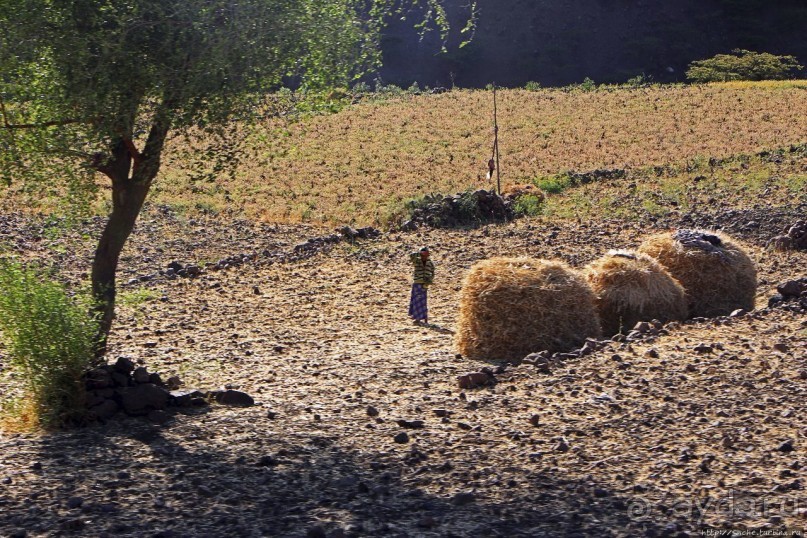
{"x": 411, "y": 424}
{"x": 463, "y": 498}
{"x": 124, "y": 365}
{"x": 193, "y": 270}
{"x": 535, "y": 420}
{"x": 442, "y": 412}
{"x": 120, "y": 380}
{"x": 175, "y": 266}
{"x": 787, "y": 446}
{"x": 792, "y": 288}
{"x": 562, "y": 446}
{"x": 475, "y": 379}
{"x": 702, "y": 348}
{"x": 740, "y": 312}
{"x": 141, "y": 399}
{"x": 159, "y": 416}
{"x": 141, "y": 375}
{"x": 98, "y": 378}
{"x": 184, "y": 398}
{"x": 155, "y": 379}
{"x": 372, "y": 411}
{"x": 266, "y": 461}
{"x": 105, "y": 410}
{"x": 232, "y": 397}
{"x": 174, "y": 382}
{"x": 316, "y": 532}
{"x": 642, "y": 327}
{"x": 401, "y": 438}
{"x": 651, "y": 353}
{"x": 74, "y": 502}
{"x": 781, "y": 346}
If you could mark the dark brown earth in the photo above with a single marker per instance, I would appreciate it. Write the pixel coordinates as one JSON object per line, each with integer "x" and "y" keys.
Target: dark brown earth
{"x": 649, "y": 438}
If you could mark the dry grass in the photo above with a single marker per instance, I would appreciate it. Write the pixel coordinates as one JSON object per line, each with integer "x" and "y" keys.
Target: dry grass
{"x": 717, "y": 281}
{"x": 511, "y": 307}
{"x": 632, "y": 287}
{"x": 360, "y": 164}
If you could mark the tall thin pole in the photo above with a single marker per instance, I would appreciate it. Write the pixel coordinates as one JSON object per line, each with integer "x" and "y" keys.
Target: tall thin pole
{"x": 496, "y": 141}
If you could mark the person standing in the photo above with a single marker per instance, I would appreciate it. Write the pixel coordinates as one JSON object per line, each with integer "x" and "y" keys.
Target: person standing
{"x": 424, "y": 276}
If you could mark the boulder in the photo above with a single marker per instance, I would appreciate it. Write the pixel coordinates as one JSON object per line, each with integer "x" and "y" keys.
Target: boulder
{"x": 141, "y": 399}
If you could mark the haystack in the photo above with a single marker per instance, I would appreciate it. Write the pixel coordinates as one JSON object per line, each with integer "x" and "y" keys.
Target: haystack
{"x": 511, "y": 307}
{"x": 713, "y": 268}
{"x": 632, "y": 287}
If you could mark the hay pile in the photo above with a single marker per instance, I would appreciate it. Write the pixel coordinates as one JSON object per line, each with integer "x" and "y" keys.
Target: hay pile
{"x": 714, "y": 269}
{"x": 511, "y": 307}
{"x": 632, "y": 287}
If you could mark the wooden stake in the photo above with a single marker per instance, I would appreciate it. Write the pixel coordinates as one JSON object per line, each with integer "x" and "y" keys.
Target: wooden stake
{"x": 496, "y": 141}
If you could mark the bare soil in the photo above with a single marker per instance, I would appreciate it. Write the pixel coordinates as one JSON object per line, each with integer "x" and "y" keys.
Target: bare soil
{"x": 650, "y": 438}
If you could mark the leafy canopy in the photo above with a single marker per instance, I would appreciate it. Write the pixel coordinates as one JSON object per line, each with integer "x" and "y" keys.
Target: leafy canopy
{"x": 743, "y": 65}
{"x": 76, "y": 75}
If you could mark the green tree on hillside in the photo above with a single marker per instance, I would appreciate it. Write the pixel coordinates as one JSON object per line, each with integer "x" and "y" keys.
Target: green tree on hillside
{"x": 97, "y": 86}
{"x": 743, "y": 65}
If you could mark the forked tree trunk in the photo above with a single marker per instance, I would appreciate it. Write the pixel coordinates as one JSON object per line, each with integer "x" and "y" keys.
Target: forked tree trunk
{"x": 129, "y": 192}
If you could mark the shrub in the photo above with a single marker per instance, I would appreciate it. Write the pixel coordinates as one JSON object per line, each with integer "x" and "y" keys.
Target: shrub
{"x": 743, "y": 65}
{"x": 533, "y": 86}
{"x": 50, "y": 341}
{"x": 529, "y": 205}
{"x": 553, "y": 184}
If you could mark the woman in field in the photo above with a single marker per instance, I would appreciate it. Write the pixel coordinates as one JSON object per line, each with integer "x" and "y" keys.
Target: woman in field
{"x": 423, "y": 277}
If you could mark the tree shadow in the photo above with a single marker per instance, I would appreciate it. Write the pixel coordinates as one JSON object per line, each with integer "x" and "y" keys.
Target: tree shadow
{"x": 137, "y": 479}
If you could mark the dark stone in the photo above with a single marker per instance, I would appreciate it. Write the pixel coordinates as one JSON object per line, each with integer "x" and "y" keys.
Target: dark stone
{"x": 105, "y": 410}
{"x": 792, "y": 288}
{"x": 787, "y": 446}
{"x": 184, "y": 398}
{"x": 401, "y": 438}
{"x": 702, "y": 348}
{"x": 176, "y": 266}
{"x": 475, "y": 379}
{"x": 75, "y": 502}
{"x": 316, "y": 532}
{"x": 193, "y": 270}
{"x": 411, "y": 424}
{"x": 372, "y": 411}
{"x": 124, "y": 365}
{"x": 98, "y": 378}
{"x": 463, "y": 498}
{"x": 158, "y": 416}
{"x": 141, "y": 375}
{"x": 174, "y": 382}
{"x": 141, "y": 399}
{"x": 232, "y": 397}
{"x": 155, "y": 379}
{"x": 120, "y": 380}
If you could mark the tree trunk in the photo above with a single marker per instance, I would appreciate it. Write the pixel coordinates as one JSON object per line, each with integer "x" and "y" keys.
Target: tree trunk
{"x": 127, "y": 201}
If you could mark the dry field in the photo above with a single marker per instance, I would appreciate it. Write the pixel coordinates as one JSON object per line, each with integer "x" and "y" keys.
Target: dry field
{"x": 652, "y": 438}
{"x": 358, "y": 166}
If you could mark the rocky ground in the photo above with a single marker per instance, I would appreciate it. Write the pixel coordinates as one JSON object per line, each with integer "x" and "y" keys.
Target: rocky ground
{"x": 360, "y": 427}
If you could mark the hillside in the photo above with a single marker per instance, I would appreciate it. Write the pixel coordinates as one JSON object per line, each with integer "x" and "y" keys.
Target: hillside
{"x": 358, "y": 166}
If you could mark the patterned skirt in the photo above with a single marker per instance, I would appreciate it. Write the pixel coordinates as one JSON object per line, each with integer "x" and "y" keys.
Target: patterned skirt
{"x": 417, "y": 303}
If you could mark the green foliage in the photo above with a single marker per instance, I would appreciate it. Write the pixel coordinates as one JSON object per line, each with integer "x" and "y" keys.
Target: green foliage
{"x": 588, "y": 85}
{"x": 49, "y": 338}
{"x": 743, "y": 65}
{"x": 77, "y": 76}
{"x": 553, "y": 184}
{"x": 528, "y": 205}
{"x": 639, "y": 81}
{"x": 533, "y": 86}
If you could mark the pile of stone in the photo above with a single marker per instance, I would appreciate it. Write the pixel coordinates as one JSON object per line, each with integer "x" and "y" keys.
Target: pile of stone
{"x": 791, "y": 295}
{"x": 795, "y": 238}
{"x": 461, "y": 209}
{"x": 125, "y": 387}
{"x": 345, "y": 233}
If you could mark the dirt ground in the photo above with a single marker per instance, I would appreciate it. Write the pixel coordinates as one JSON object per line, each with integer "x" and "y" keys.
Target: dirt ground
{"x": 650, "y": 438}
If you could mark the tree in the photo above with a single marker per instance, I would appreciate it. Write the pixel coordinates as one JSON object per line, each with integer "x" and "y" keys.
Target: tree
{"x": 96, "y": 86}
{"x": 742, "y": 65}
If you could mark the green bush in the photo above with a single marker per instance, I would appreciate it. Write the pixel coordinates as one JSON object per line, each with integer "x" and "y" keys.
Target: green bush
{"x": 528, "y": 205}
{"x": 49, "y": 338}
{"x": 553, "y": 184}
{"x": 533, "y": 86}
{"x": 743, "y": 65}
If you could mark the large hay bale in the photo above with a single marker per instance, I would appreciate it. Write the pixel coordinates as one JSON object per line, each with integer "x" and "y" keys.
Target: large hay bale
{"x": 632, "y": 287}
{"x": 511, "y": 307}
{"x": 714, "y": 269}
